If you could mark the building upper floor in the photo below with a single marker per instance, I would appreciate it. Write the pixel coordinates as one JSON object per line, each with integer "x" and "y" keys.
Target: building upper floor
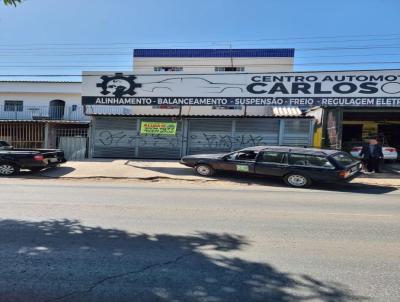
{"x": 200, "y": 61}
{"x": 41, "y": 100}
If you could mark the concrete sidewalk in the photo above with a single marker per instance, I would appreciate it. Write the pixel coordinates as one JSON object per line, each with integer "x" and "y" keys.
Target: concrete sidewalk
{"x": 165, "y": 169}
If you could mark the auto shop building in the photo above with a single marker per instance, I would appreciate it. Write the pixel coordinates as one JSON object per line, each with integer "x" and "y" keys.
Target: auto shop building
{"x": 117, "y": 130}
{"x": 168, "y": 116}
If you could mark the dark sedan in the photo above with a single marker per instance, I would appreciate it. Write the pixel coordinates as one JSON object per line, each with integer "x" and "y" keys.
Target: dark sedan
{"x": 298, "y": 167}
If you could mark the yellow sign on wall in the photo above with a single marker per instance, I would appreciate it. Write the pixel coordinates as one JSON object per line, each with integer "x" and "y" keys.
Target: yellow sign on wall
{"x": 158, "y": 128}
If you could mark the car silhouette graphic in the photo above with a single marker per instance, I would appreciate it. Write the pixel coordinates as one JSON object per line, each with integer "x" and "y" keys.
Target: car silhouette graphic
{"x": 181, "y": 84}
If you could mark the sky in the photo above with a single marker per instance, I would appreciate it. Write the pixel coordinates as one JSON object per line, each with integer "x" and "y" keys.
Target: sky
{"x": 64, "y": 37}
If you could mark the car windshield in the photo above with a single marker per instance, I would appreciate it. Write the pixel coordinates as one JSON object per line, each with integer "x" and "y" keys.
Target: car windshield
{"x": 344, "y": 159}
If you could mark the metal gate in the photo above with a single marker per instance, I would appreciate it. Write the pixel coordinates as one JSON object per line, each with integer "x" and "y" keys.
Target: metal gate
{"x": 73, "y": 141}
{"x": 74, "y": 147}
{"x": 22, "y": 134}
{"x": 116, "y": 137}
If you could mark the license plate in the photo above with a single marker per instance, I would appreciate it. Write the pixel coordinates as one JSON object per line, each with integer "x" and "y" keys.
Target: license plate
{"x": 53, "y": 160}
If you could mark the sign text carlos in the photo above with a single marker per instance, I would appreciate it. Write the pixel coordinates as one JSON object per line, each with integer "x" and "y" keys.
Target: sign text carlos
{"x": 329, "y": 89}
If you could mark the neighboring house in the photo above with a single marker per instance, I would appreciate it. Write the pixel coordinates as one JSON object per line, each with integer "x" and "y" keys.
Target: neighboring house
{"x": 39, "y": 113}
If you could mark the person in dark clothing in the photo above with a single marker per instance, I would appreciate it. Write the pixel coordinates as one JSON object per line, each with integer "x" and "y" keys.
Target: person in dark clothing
{"x": 372, "y": 155}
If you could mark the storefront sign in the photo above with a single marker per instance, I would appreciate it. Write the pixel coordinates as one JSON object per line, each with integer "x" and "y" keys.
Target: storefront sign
{"x": 379, "y": 88}
{"x": 157, "y": 128}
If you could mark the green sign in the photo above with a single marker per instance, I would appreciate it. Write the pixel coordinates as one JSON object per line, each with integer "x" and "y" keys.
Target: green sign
{"x": 158, "y": 128}
{"x": 242, "y": 168}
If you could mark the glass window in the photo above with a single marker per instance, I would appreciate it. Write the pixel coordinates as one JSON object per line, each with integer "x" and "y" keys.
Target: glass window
{"x": 298, "y": 159}
{"x": 272, "y": 157}
{"x": 229, "y": 69}
{"x": 319, "y": 161}
{"x": 344, "y": 159}
{"x": 168, "y": 68}
{"x": 13, "y": 105}
{"x": 243, "y": 155}
{"x": 310, "y": 161}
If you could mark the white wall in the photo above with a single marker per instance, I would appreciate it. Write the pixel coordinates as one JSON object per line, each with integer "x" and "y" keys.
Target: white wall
{"x": 36, "y": 97}
{"x": 207, "y": 65}
{"x": 41, "y": 93}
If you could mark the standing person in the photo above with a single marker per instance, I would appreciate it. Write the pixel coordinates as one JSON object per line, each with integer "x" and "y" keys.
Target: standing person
{"x": 372, "y": 155}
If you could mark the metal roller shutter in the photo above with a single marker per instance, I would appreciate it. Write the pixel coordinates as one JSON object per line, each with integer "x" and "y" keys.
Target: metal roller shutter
{"x": 114, "y": 137}
{"x": 225, "y": 135}
{"x": 157, "y": 146}
{"x": 297, "y": 132}
{"x": 256, "y": 132}
{"x": 119, "y": 137}
{"x": 210, "y": 136}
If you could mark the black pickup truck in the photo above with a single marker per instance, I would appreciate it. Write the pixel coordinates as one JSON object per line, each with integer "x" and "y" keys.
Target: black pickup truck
{"x": 12, "y": 160}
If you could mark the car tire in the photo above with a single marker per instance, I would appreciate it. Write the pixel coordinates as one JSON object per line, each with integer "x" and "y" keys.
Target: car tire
{"x": 7, "y": 169}
{"x": 204, "y": 170}
{"x": 297, "y": 180}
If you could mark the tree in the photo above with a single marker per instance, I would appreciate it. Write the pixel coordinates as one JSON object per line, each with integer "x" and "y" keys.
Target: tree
{"x": 12, "y": 2}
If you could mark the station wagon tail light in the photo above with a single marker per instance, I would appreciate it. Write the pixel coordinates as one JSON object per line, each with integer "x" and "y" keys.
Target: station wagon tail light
{"x": 343, "y": 174}
{"x": 38, "y": 157}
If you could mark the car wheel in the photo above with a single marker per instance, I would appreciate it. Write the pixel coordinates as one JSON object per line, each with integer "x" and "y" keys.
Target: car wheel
{"x": 8, "y": 169}
{"x": 297, "y": 180}
{"x": 204, "y": 170}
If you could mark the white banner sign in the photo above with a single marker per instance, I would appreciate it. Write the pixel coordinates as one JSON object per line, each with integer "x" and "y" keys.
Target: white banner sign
{"x": 328, "y": 89}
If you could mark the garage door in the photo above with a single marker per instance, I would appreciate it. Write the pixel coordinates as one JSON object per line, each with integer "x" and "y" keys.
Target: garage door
{"x": 118, "y": 137}
{"x": 160, "y": 146}
{"x": 225, "y": 135}
{"x": 114, "y": 137}
{"x": 297, "y": 132}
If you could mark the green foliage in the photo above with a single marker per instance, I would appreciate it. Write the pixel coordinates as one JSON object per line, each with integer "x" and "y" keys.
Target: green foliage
{"x": 12, "y": 2}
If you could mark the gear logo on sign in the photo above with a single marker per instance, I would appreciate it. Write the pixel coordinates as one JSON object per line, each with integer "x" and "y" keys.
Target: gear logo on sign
{"x": 118, "y": 85}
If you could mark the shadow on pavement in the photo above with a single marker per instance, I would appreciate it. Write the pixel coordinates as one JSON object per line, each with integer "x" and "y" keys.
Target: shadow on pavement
{"x": 63, "y": 260}
{"x": 50, "y": 172}
{"x": 336, "y": 187}
{"x": 250, "y": 180}
{"x": 173, "y": 171}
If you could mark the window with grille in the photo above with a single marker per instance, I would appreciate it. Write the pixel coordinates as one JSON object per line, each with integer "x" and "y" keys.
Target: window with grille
{"x": 13, "y": 105}
{"x": 229, "y": 69}
{"x": 168, "y": 68}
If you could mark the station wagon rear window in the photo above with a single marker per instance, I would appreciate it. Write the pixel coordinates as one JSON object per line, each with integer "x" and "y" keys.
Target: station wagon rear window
{"x": 344, "y": 159}
{"x": 309, "y": 161}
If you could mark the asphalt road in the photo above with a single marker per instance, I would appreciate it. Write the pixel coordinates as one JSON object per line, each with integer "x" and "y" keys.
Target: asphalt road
{"x": 108, "y": 241}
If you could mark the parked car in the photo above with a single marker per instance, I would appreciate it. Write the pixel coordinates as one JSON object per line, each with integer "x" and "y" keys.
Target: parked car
{"x": 12, "y": 160}
{"x": 298, "y": 167}
{"x": 389, "y": 153}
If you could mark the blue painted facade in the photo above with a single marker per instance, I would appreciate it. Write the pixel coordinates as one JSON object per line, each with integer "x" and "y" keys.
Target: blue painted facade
{"x": 215, "y": 53}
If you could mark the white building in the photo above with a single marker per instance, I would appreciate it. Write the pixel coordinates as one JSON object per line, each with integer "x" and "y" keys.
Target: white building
{"x": 203, "y": 61}
{"x": 116, "y": 130}
{"x": 206, "y": 61}
{"x": 35, "y": 114}
{"x": 41, "y": 100}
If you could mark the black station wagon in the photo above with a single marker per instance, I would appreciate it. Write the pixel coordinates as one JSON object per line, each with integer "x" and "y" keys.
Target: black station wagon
{"x": 298, "y": 167}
